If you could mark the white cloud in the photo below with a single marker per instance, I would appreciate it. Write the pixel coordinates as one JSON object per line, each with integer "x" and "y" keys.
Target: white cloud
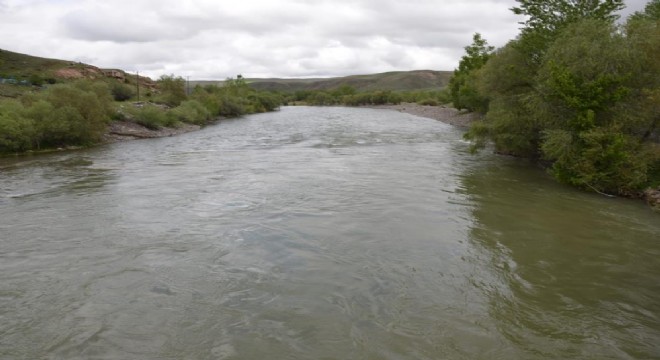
{"x": 214, "y": 39}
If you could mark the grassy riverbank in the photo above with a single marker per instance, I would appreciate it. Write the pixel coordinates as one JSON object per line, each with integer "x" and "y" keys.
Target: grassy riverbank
{"x": 85, "y": 113}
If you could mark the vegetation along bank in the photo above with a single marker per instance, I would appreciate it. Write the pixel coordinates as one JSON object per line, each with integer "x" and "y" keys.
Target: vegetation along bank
{"x": 45, "y": 104}
{"x": 574, "y": 91}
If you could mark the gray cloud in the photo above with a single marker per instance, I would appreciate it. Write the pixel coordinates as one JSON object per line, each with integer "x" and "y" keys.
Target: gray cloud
{"x": 214, "y": 39}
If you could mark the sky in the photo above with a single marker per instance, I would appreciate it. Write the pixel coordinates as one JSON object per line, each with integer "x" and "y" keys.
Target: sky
{"x": 216, "y": 39}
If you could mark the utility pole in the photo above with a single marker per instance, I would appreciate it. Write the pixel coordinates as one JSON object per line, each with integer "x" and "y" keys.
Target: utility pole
{"x": 137, "y": 84}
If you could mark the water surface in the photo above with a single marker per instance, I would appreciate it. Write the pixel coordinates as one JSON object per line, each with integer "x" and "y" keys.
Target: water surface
{"x": 318, "y": 233}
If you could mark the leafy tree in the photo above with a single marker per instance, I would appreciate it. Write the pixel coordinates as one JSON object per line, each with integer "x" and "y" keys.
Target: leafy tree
{"x": 511, "y": 122}
{"x": 552, "y": 16}
{"x": 462, "y": 84}
{"x": 580, "y": 93}
{"x": 173, "y": 89}
{"x": 16, "y": 129}
{"x": 643, "y": 38}
{"x": 238, "y": 86}
{"x": 545, "y": 19}
{"x": 587, "y": 73}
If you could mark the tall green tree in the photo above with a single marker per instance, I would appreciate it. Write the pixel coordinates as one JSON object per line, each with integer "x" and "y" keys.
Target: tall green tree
{"x": 462, "y": 85}
{"x": 588, "y": 72}
{"x": 577, "y": 91}
{"x": 173, "y": 89}
{"x": 16, "y": 129}
{"x": 651, "y": 12}
{"x": 545, "y": 19}
{"x": 552, "y": 16}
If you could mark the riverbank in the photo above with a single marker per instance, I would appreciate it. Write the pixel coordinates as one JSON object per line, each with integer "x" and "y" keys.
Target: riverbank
{"x": 126, "y": 130}
{"x": 463, "y": 120}
{"x": 441, "y": 113}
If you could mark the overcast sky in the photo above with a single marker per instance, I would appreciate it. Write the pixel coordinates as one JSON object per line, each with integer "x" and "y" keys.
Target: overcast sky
{"x": 216, "y": 39}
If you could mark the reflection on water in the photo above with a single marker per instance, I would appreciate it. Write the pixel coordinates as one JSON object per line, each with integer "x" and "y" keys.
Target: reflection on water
{"x": 577, "y": 273}
{"x": 52, "y": 175}
{"x": 317, "y": 233}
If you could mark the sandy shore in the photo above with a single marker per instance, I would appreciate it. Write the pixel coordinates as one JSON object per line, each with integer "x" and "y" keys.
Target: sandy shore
{"x": 441, "y": 113}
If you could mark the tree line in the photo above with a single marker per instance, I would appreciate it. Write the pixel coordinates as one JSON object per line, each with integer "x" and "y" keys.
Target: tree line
{"x": 347, "y": 95}
{"x": 574, "y": 90}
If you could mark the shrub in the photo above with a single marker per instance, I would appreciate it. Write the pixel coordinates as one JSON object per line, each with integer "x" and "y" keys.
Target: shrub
{"x": 36, "y": 80}
{"x": 71, "y": 114}
{"x": 267, "y": 101}
{"x": 600, "y": 159}
{"x": 153, "y": 117}
{"x": 173, "y": 89}
{"x": 16, "y": 130}
{"x": 231, "y": 106}
{"x": 121, "y": 92}
{"x": 192, "y": 112}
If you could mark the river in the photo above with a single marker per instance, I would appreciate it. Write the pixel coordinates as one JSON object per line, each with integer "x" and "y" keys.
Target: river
{"x": 318, "y": 233}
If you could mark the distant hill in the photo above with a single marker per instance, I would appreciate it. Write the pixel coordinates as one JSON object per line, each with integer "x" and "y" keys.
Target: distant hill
{"x": 395, "y": 81}
{"x": 27, "y": 69}
{"x": 21, "y": 69}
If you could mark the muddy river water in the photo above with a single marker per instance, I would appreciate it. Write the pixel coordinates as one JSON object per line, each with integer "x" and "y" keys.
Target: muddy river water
{"x": 318, "y": 233}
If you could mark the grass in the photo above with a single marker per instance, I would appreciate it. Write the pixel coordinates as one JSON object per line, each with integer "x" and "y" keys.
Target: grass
{"x": 21, "y": 66}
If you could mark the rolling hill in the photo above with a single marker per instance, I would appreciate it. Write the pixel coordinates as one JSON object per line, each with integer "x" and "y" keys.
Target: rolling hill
{"x": 395, "y": 81}
{"x": 20, "y": 69}
{"x": 27, "y": 69}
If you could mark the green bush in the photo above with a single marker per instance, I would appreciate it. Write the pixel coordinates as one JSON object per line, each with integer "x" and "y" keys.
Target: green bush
{"x": 209, "y": 100}
{"x": 173, "y": 90}
{"x": 36, "y": 80}
{"x": 192, "y": 112}
{"x": 231, "y": 106}
{"x": 600, "y": 159}
{"x": 463, "y": 84}
{"x": 69, "y": 114}
{"x": 16, "y": 130}
{"x": 153, "y": 117}
{"x": 579, "y": 92}
{"x": 121, "y": 92}
{"x": 265, "y": 101}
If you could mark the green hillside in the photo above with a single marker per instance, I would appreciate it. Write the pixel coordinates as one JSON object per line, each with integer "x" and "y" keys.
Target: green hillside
{"x": 395, "y": 81}
{"x": 32, "y": 70}
{"x": 21, "y": 66}
{"x": 18, "y": 72}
